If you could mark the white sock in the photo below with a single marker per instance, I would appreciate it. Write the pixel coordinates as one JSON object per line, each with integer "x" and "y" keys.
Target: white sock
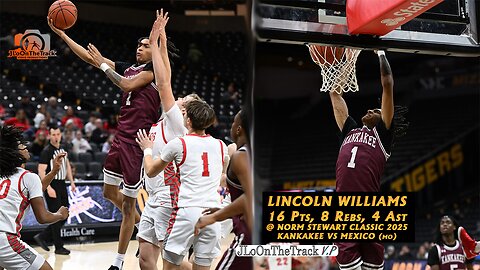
{"x": 118, "y": 262}
{"x": 477, "y": 247}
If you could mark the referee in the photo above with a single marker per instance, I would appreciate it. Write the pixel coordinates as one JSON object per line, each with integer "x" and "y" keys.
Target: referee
{"x": 56, "y": 194}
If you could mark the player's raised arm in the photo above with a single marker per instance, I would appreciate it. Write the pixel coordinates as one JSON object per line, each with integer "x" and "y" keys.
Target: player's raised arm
{"x": 161, "y": 62}
{"x": 340, "y": 109}
{"x": 47, "y": 179}
{"x": 126, "y": 84}
{"x": 75, "y": 47}
{"x": 387, "y": 94}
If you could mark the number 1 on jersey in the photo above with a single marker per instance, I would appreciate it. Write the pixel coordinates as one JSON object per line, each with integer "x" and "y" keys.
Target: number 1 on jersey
{"x": 351, "y": 163}
{"x": 205, "y": 164}
{"x": 127, "y": 103}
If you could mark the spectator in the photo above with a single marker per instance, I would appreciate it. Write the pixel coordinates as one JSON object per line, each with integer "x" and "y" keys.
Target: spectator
{"x": 111, "y": 125}
{"x": 67, "y": 141}
{"x": 20, "y": 121}
{"x": 69, "y": 125}
{"x": 405, "y": 254}
{"x": 422, "y": 253}
{"x": 70, "y": 115}
{"x": 427, "y": 245}
{"x": 108, "y": 144}
{"x": 99, "y": 136}
{"x": 38, "y": 144}
{"x": 27, "y": 106}
{"x": 80, "y": 145}
{"x": 90, "y": 126}
{"x": 390, "y": 253}
{"x": 74, "y": 173}
{"x": 56, "y": 113}
{"x": 42, "y": 128}
{"x": 194, "y": 54}
{"x": 40, "y": 116}
{"x": 231, "y": 95}
{"x": 10, "y": 38}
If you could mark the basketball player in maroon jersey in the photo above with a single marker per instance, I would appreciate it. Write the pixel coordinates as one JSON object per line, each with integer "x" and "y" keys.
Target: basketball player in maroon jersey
{"x": 239, "y": 182}
{"x": 448, "y": 253}
{"x": 139, "y": 110}
{"x": 363, "y": 154}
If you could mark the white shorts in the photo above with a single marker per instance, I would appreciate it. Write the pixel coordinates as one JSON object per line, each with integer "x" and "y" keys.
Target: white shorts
{"x": 16, "y": 254}
{"x": 154, "y": 223}
{"x": 227, "y": 224}
{"x": 180, "y": 238}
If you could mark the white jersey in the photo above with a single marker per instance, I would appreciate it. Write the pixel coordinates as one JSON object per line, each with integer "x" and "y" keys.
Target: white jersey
{"x": 168, "y": 128}
{"x": 200, "y": 162}
{"x": 279, "y": 263}
{"x": 16, "y": 192}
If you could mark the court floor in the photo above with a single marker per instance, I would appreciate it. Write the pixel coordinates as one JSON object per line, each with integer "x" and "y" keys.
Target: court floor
{"x": 100, "y": 256}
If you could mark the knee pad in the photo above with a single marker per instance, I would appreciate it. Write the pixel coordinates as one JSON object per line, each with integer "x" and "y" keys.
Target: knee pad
{"x": 202, "y": 261}
{"x": 172, "y": 257}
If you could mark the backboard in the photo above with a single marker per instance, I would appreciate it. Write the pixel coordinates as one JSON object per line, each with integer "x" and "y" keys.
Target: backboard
{"x": 450, "y": 28}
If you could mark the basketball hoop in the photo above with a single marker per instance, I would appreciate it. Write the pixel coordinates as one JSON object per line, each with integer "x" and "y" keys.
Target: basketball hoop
{"x": 338, "y": 67}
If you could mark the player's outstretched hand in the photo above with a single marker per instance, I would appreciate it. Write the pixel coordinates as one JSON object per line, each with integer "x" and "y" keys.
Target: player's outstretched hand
{"x": 203, "y": 222}
{"x": 63, "y": 211}
{"x": 143, "y": 140}
{"x": 163, "y": 25}
{"x": 155, "y": 32}
{"x": 158, "y": 28}
{"x": 95, "y": 54}
{"x": 57, "y": 162}
{"x": 54, "y": 29}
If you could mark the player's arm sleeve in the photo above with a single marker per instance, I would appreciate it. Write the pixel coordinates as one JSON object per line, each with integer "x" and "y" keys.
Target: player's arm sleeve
{"x": 349, "y": 124}
{"x": 33, "y": 185}
{"x": 173, "y": 151}
{"x": 174, "y": 120}
{"x": 433, "y": 258}
{"x": 120, "y": 67}
{"x": 148, "y": 67}
{"x": 385, "y": 135}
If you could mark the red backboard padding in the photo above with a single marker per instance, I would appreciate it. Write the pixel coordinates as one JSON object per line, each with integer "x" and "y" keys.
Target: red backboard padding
{"x": 378, "y": 17}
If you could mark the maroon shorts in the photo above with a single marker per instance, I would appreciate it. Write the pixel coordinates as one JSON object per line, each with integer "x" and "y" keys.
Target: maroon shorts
{"x": 230, "y": 260}
{"x": 352, "y": 255}
{"x": 124, "y": 164}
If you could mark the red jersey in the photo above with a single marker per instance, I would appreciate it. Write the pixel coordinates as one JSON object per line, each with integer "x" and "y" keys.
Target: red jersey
{"x": 140, "y": 108}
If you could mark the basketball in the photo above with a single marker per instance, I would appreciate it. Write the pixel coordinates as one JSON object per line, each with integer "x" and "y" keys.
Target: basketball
{"x": 326, "y": 54}
{"x": 63, "y": 14}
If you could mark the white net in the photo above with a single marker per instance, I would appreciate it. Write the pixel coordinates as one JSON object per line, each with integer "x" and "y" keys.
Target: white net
{"x": 338, "y": 67}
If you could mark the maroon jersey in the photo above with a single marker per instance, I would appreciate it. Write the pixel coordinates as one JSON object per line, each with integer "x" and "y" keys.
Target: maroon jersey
{"x": 235, "y": 189}
{"x": 447, "y": 257}
{"x": 140, "y": 108}
{"x": 362, "y": 157}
